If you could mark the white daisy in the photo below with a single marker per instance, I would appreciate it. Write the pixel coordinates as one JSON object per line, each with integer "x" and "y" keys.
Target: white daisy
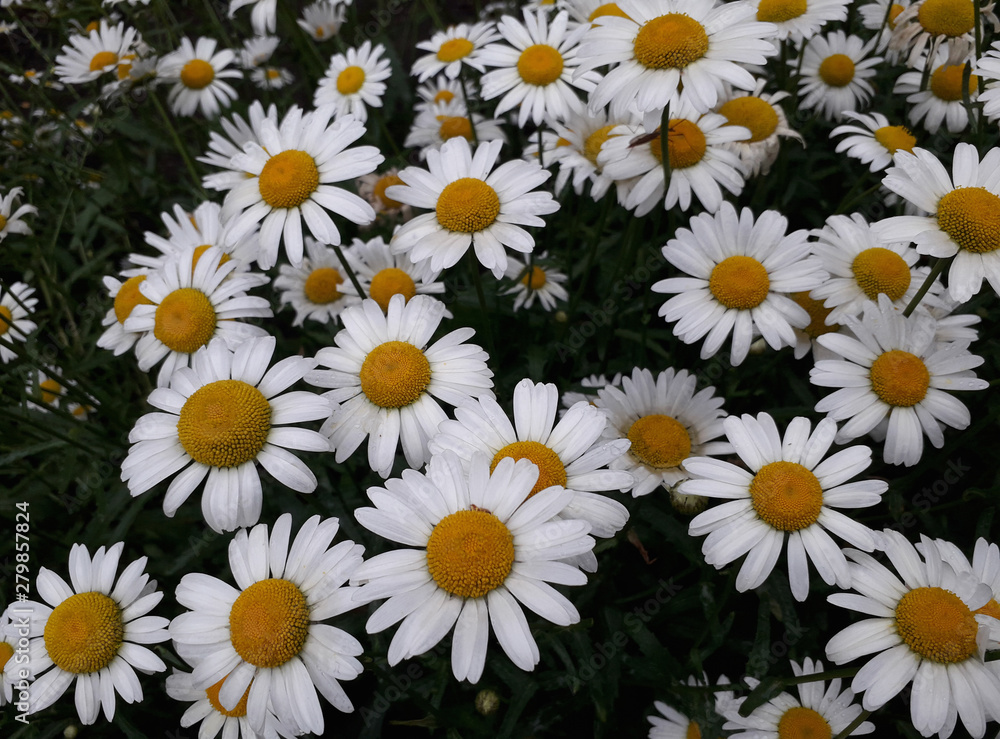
{"x": 881, "y": 16}
{"x": 267, "y": 640}
{"x": 126, "y": 295}
{"x": 198, "y": 73}
{"x": 223, "y": 148}
{"x": 988, "y": 67}
{"x": 199, "y": 230}
{"x": 939, "y": 98}
{"x": 805, "y": 337}
{"x": 927, "y": 23}
{"x": 271, "y": 78}
{"x": 789, "y": 489}
{"x": 472, "y": 206}
{"x": 257, "y": 50}
{"x": 315, "y": 289}
{"x": 206, "y": 710}
{"x": 834, "y": 74}
{"x": 12, "y": 670}
{"x": 760, "y": 114}
{"x": 189, "y": 305}
{"x": 587, "y": 11}
{"x": 92, "y": 633}
{"x": 439, "y": 91}
{"x": 354, "y": 81}
{"x": 383, "y": 274}
{"x": 985, "y": 566}
{"x": 322, "y": 20}
{"x": 535, "y": 281}
{"x": 671, "y": 724}
{"x": 875, "y": 142}
{"x": 290, "y": 170}
{"x": 453, "y": 48}
{"x": 387, "y": 382}
{"x": 89, "y": 56}
{"x": 588, "y": 390}
{"x": 894, "y": 369}
{"x": 964, "y": 214}
{"x": 581, "y": 139}
{"x": 16, "y": 304}
{"x": 741, "y": 271}
{"x": 263, "y": 17}
{"x": 799, "y": 20}
{"x": 12, "y": 221}
{"x": 439, "y": 123}
{"x": 221, "y": 416}
{"x": 668, "y": 51}
{"x": 372, "y": 188}
{"x": 925, "y": 631}
{"x": 485, "y": 549}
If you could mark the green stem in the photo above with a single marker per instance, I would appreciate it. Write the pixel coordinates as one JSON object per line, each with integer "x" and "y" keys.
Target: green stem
{"x": 432, "y": 12}
{"x": 591, "y": 252}
{"x": 188, "y": 162}
{"x": 849, "y": 729}
{"x": 936, "y": 270}
{"x": 827, "y": 675}
{"x": 477, "y": 281}
{"x": 349, "y": 271}
{"x": 468, "y": 105}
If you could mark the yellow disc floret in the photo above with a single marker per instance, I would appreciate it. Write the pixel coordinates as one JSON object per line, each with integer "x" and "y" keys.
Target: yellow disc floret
{"x": 947, "y": 17}
{"x": 837, "y": 70}
{"x": 129, "y": 297}
{"x": 686, "y": 144}
{"x": 937, "y": 625}
{"x": 971, "y": 217}
{"x": 540, "y": 65}
{"x": 800, "y": 722}
{"x": 387, "y": 180}
{"x": 593, "y": 143}
{"x": 6, "y": 319}
{"x": 269, "y": 622}
{"x": 693, "y": 730}
{"x": 899, "y": 378}
{"x": 896, "y": 138}
{"x": 350, "y": 80}
{"x": 102, "y": 59}
{"x": 671, "y": 41}
{"x": 467, "y": 205}
{"x": 453, "y": 126}
{"x": 753, "y": 113}
{"x": 550, "y": 468}
{"x": 817, "y": 315}
{"x": 739, "y": 282}
{"x": 197, "y": 74}
{"x": 50, "y": 390}
{"x": 779, "y": 11}
{"x": 224, "y": 423}
{"x": 395, "y": 374}
{"x": 946, "y": 82}
{"x": 607, "y": 9}
{"x": 84, "y": 633}
{"x": 879, "y": 270}
{"x": 535, "y": 278}
{"x": 288, "y": 179}
{"x": 6, "y": 652}
{"x": 388, "y": 282}
{"x": 659, "y": 441}
{"x": 185, "y": 320}
{"x": 786, "y": 496}
{"x": 470, "y": 553}
{"x": 454, "y": 49}
{"x": 240, "y": 709}
{"x": 321, "y": 285}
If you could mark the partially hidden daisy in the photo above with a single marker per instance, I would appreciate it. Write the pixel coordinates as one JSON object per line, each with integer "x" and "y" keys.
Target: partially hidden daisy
{"x": 383, "y": 274}
{"x": 940, "y": 98}
{"x": 354, "y": 81}
{"x": 386, "y": 381}
{"x": 199, "y": 72}
{"x": 271, "y": 78}
{"x": 581, "y": 139}
{"x": 894, "y": 371}
{"x": 11, "y": 668}
{"x": 12, "y": 221}
{"x": 535, "y": 281}
{"x": 125, "y": 295}
{"x": 875, "y": 141}
{"x": 220, "y": 418}
{"x": 199, "y": 230}
{"x": 263, "y": 16}
{"x": 291, "y": 170}
{"x": 206, "y": 710}
{"x": 480, "y": 549}
{"x": 263, "y": 644}
{"x": 759, "y": 113}
{"x": 928, "y": 629}
{"x": 93, "y": 632}
{"x": 985, "y": 566}
{"x": 16, "y": 305}
{"x": 322, "y": 20}
{"x": 453, "y": 48}
{"x": 741, "y": 272}
{"x": 372, "y": 188}
{"x": 835, "y": 70}
{"x": 315, "y": 289}
{"x": 442, "y": 122}
{"x": 928, "y": 23}
{"x": 91, "y": 55}
{"x": 799, "y": 20}
{"x": 988, "y": 68}
{"x": 222, "y": 148}
{"x": 788, "y": 488}
{"x": 474, "y": 205}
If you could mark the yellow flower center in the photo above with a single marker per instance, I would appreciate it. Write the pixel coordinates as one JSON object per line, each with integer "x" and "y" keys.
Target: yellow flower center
{"x": 817, "y": 315}
{"x": 837, "y": 70}
{"x": 946, "y": 82}
{"x": 395, "y": 374}
{"x": 454, "y": 49}
{"x": 444, "y": 96}
{"x": 387, "y": 180}
{"x": 224, "y": 423}
{"x": 269, "y": 623}
{"x": 937, "y": 625}
{"x": 895, "y": 138}
{"x": 685, "y": 144}
{"x": 6, "y": 319}
{"x": 894, "y": 12}
{"x": 693, "y": 731}
{"x": 199, "y": 250}
{"x": 388, "y": 282}
{"x": 467, "y": 205}
{"x": 288, "y": 179}
{"x": 50, "y": 391}
{"x": 534, "y": 279}
{"x": 947, "y": 17}
{"x": 92, "y": 26}
{"x": 752, "y": 112}
{"x": 800, "y": 722}
{"x": 671, "y": 41}
{"x": 129, "y": 297}
{"x": 240, "y": 709}
{"x": 779, "y": 11}
{"x": 185, "y": 320}
{"x": 540, "y": 65}
{"x": 102, "y": 59}
{"x": 350, "y": 80}
{"x": 879, "y": 270}
{"x": 454, "y": 125}
{"x": 593, "y": 143}
{"x": 739, "y": 282}
{"x": 899, "y": 378}
{"x": 470, "y": 553}
{"x": 197, "y": 74}
{"x": 786, "y": 496}
{"x": 550, "y": 468}
{"x": 84, "y": 633}
{"x": 606, "y": 9}
{"x": 125, "y": 66}
{"x": 3, "y": 222}
{"x": 6, "y": 652}
{"x": 659, "y": 441}
{"x": 321, "y": 285}
{"x": 272, "y": 74}
{"x": 991, "y": 609}
{"x": 971, "y": 217}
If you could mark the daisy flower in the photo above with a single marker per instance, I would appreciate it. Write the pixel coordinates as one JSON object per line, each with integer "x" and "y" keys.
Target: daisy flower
{"x": 220, "y": 417}
{"x": 874, "y": 142}
{"x": 439, "y": 91}
{"x": 16, "y": 304}
{"x": 290, "y": 170}
{"x": 894, "y": 369}
{"x": 482, "y": 549}
{"x": 313, "y": 288}
{"x": 322, "y": 20}
{"x": 453, "y": 48}
{"x": 49, "y": 386}
{"x": 588, "y": 390}
{"x": 13, "y": 222}
{"x": 9, "y": 668}
{"x": 372, "y": 188}
{"x": 206, "y": 710}
{"x": 198, "y": 73}
{"x": 222, "y": 148}
{"x": 472, "y": 206}
{"x": 263, "y": 17}
{"x": 89, "y": 56}
{"x": 741, "y": 271}
{"x": 667, "y": 51}
{"x": 585, "y": 135}
{"x": 535, "y": 281}
{"x": 789, "y": 489}
{"x": 988, "y": 67}
{"x": 383, "y": 274}
{"x": 930, "y": 22}
{"x": 925, "y": 630}
{"x": 985, "y": 566}
{"x": 126, "y": 296}
{"x": 940, "y": 100}
{"x": 437, "y": 124}
{"x": 537, "y": 68}
{"x": 760, "y": 114}
{"x": 799, "y": 20}
{"x": 834, "y": 74}
{"x": 92, "y": 633}
{"x": 386, "y": 381}
{"x": 199, "y": 230}
{"x": 264, "y": 644}
{"x": 963, "y": 209}
{"x": 863, "y": 266}
{"x": 354, "y": 81}
{"x": 881, "y": 16}
{"x": 666, "y": 423}
{"x": 805, "y": 338}
{"x": 189, "y": 305}
{"x": 587, "y": 11}
{"x": 671, "y": 724}
{"x": 816, "y": 712}
{"x": 271, "y": 78}
{"x": 257, "y": 50}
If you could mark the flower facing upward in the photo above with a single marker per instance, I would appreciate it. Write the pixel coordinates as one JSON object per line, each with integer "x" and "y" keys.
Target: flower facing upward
{"x": 198, "y": 72}
{"x": 535, "y": 281}
{"x": 354, "y": 81}
{"x": 453, "y": 48}
{"x": 89, "y": 56}
{"x": 835, "y": 70}
{"x": 383, "y": 274}
{"x": 316, "y": 288}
